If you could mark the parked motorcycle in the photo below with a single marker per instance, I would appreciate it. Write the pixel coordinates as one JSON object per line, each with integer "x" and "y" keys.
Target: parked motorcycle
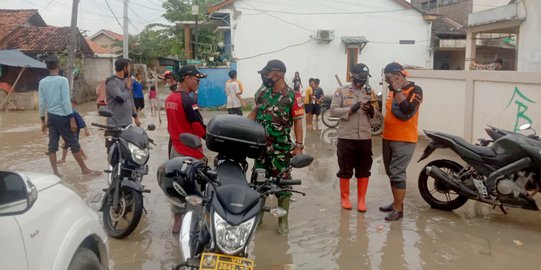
{"x": 376, "y": 123}
{"x": 128, "y": 154}
{"x": 494, "y": 133}
{"x": 506, "y": 173}
{"x": 225, "y": 208}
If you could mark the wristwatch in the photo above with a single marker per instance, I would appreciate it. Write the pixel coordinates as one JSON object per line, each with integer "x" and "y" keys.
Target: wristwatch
{"x": 300, "y": 145}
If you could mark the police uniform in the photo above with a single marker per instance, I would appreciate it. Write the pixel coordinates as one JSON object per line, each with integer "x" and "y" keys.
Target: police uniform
{"x": 354, "y": 150}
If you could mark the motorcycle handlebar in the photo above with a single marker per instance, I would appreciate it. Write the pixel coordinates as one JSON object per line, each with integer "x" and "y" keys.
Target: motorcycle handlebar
{"x": 104, "y": 126}
{"x": 289, "y": 182}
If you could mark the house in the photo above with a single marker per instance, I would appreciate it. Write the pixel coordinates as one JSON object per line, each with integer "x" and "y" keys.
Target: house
{"x": 449, "y": 34}
{"x": 108, "y": 40}
{"x": 323, "y": 39}
{"x": 518, "y": 24}
{"x": 26, "y": 31}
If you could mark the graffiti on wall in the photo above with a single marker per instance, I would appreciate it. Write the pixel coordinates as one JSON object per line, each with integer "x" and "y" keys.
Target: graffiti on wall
{"x": 521, "y": 102}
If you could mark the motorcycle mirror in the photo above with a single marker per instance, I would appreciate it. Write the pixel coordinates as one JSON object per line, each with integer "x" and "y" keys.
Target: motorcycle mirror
{"x": 191, "y": 140}
{"x": 525, "y": 126}
{"x": 301, "y": 161}
{"x": 151, "y": 127}
{"x": 103, "y": 111}
{"x": 194, "y": 200}
{"x": 278, "y": 212}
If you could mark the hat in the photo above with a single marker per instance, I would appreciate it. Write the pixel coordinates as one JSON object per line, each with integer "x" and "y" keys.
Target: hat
{"x": 273, "y": 65}
{"x": 167, "y": 75}
{"x": 395, "y": 67}
{"x": 190, "y": 70}
{"x": 361, "y": 69}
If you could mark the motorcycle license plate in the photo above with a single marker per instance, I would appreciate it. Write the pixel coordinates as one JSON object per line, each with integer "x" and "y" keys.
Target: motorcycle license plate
{"x": 212, "y": 261}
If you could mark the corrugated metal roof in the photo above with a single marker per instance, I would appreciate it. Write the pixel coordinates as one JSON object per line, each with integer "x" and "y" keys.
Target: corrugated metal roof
{"x": 354, "y": 40}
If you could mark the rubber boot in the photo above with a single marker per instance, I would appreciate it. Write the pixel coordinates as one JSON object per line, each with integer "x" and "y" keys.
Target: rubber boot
{"x": 344, "y": 193}
{"x": 362, "y": 186}
{"x": 283, "y": 227}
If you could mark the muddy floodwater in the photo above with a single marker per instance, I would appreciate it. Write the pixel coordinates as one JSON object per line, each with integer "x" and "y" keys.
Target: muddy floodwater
{"x": 322, "y": 236}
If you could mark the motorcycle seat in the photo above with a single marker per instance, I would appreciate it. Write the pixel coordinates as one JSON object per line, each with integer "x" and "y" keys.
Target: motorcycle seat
{"x": 480, "y": 150}
{"x": 230, "y": 173}
{"x": 237, "y": 199}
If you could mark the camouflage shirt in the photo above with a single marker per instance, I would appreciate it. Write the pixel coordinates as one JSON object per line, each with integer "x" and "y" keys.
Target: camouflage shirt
{"x": 276, "y": 112}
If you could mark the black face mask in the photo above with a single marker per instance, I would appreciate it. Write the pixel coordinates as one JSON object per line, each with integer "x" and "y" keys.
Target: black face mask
{"x": 267, "y": 82}
{"x": 126, "y": 74}
{"x": 361, "y": 82}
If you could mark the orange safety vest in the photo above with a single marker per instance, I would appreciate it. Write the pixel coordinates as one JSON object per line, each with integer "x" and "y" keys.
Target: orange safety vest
{"x": 395, "y": 129}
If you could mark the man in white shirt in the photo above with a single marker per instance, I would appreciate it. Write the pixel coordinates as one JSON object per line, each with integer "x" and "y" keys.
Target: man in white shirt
{"x": 233, "y": 90}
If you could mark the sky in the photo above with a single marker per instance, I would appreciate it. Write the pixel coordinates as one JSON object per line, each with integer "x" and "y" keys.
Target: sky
{"x": 94, "y": 14}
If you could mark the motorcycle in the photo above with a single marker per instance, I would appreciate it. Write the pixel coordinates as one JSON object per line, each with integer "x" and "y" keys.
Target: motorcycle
{"x": 376, "y": 123}
{"x": 226, "y": 210}
{"x": 128, "y": 154}
{"x": 494, "y": 133}
{"x": 506, "y": 173}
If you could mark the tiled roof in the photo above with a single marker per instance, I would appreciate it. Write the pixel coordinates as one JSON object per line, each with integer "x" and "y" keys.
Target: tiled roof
{"x": 96, "y": 48}
{"x": 40, "y": 39}
{"x": 10, "y": 19}
{"x": 118, "y": 37}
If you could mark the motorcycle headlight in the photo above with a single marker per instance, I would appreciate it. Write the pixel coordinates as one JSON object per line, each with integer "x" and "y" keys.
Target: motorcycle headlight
{"x": 231, "y": 239}
{"x": 140, "y": 156}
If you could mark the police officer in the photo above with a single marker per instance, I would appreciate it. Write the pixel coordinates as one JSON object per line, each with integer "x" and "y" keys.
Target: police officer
{"x": 278, "y": 108}
{"x": 352, "y": 104}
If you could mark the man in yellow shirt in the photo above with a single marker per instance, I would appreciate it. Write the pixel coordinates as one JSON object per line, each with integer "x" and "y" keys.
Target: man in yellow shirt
{"x": 308, "y": 96}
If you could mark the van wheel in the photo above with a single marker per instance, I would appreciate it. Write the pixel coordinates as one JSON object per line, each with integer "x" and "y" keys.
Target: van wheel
{"x": 84, "y": 259}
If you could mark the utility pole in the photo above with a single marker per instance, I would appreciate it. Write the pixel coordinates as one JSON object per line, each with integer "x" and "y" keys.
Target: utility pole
{"x": 72, "y": 44}
{"x": 195, "y": 11}
{"x": 125, "y": 33}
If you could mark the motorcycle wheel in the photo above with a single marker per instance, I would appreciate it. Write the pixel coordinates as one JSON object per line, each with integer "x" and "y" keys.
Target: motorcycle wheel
{"x": 327, "y": 121}
{"x": 121, "y": 220}
{"x": 436, "y": 193}
{"x": 376, "y": 124}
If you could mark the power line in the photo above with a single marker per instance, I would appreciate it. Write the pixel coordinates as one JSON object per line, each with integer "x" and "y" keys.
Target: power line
{"x": 152, "y": 8}
{"x": 275, "y": 51}
{"x": 323, "y": 13}
{"x": 282, "y": 20}
{"x": 114, "y": 15}
{"x": 46, "y": 6}
{"x": 141, "y": 19}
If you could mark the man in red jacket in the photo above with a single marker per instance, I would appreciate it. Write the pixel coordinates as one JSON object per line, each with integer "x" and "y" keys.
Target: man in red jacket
{"x": 183, "y": 116}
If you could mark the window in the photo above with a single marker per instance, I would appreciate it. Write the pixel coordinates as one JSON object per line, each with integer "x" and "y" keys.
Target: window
{"x": 12, "y": 190}
{"x": 424, "y": 5}
{"x": 352, "y": 56}
{"x": 433, "y": 4}
{"x": 446, "y": 2}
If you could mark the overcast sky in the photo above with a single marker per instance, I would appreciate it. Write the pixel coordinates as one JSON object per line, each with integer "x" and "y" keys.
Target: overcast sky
{"x": 94, "y": 14}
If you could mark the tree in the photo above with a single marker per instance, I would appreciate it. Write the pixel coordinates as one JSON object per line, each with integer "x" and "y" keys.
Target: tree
{"x": 181, "y": 10}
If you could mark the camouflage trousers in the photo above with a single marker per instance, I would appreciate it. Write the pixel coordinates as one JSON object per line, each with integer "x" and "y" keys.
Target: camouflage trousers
{"x": 275, "y": 161}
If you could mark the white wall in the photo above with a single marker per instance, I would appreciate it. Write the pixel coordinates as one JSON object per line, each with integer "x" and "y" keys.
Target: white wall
{"x": 529, "y": 43}
{"x": 480, "y": 5}
{"x": 256, "y": 32}
{"x": 464, "y": 102}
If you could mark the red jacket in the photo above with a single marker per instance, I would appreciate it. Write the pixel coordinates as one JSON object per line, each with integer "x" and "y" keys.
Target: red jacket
{"x": 183, "y": 117}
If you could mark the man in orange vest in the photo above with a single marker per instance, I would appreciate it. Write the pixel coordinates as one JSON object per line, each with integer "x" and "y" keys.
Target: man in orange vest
{"x": 399, "y": 133}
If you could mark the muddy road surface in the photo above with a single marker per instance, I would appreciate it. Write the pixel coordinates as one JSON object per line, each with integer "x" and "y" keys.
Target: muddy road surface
{"x": 322, "y": 236}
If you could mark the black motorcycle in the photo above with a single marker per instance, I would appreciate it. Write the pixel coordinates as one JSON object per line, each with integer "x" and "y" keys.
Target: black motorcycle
{"x": 226, "y": 209}
{"x": 506, "y": 173}
{"x": 128, "y": 154}
{"x": 494, "y": 133}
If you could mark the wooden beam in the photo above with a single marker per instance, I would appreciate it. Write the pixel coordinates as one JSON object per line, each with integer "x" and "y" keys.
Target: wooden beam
{"x": 188, "y": 42}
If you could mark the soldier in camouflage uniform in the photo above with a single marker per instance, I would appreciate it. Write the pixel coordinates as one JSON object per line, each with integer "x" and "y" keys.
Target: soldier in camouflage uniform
{"x": 278, "y": 108}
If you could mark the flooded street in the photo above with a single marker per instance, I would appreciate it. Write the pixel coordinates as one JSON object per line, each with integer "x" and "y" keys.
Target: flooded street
{"x": 322, "y": 235}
